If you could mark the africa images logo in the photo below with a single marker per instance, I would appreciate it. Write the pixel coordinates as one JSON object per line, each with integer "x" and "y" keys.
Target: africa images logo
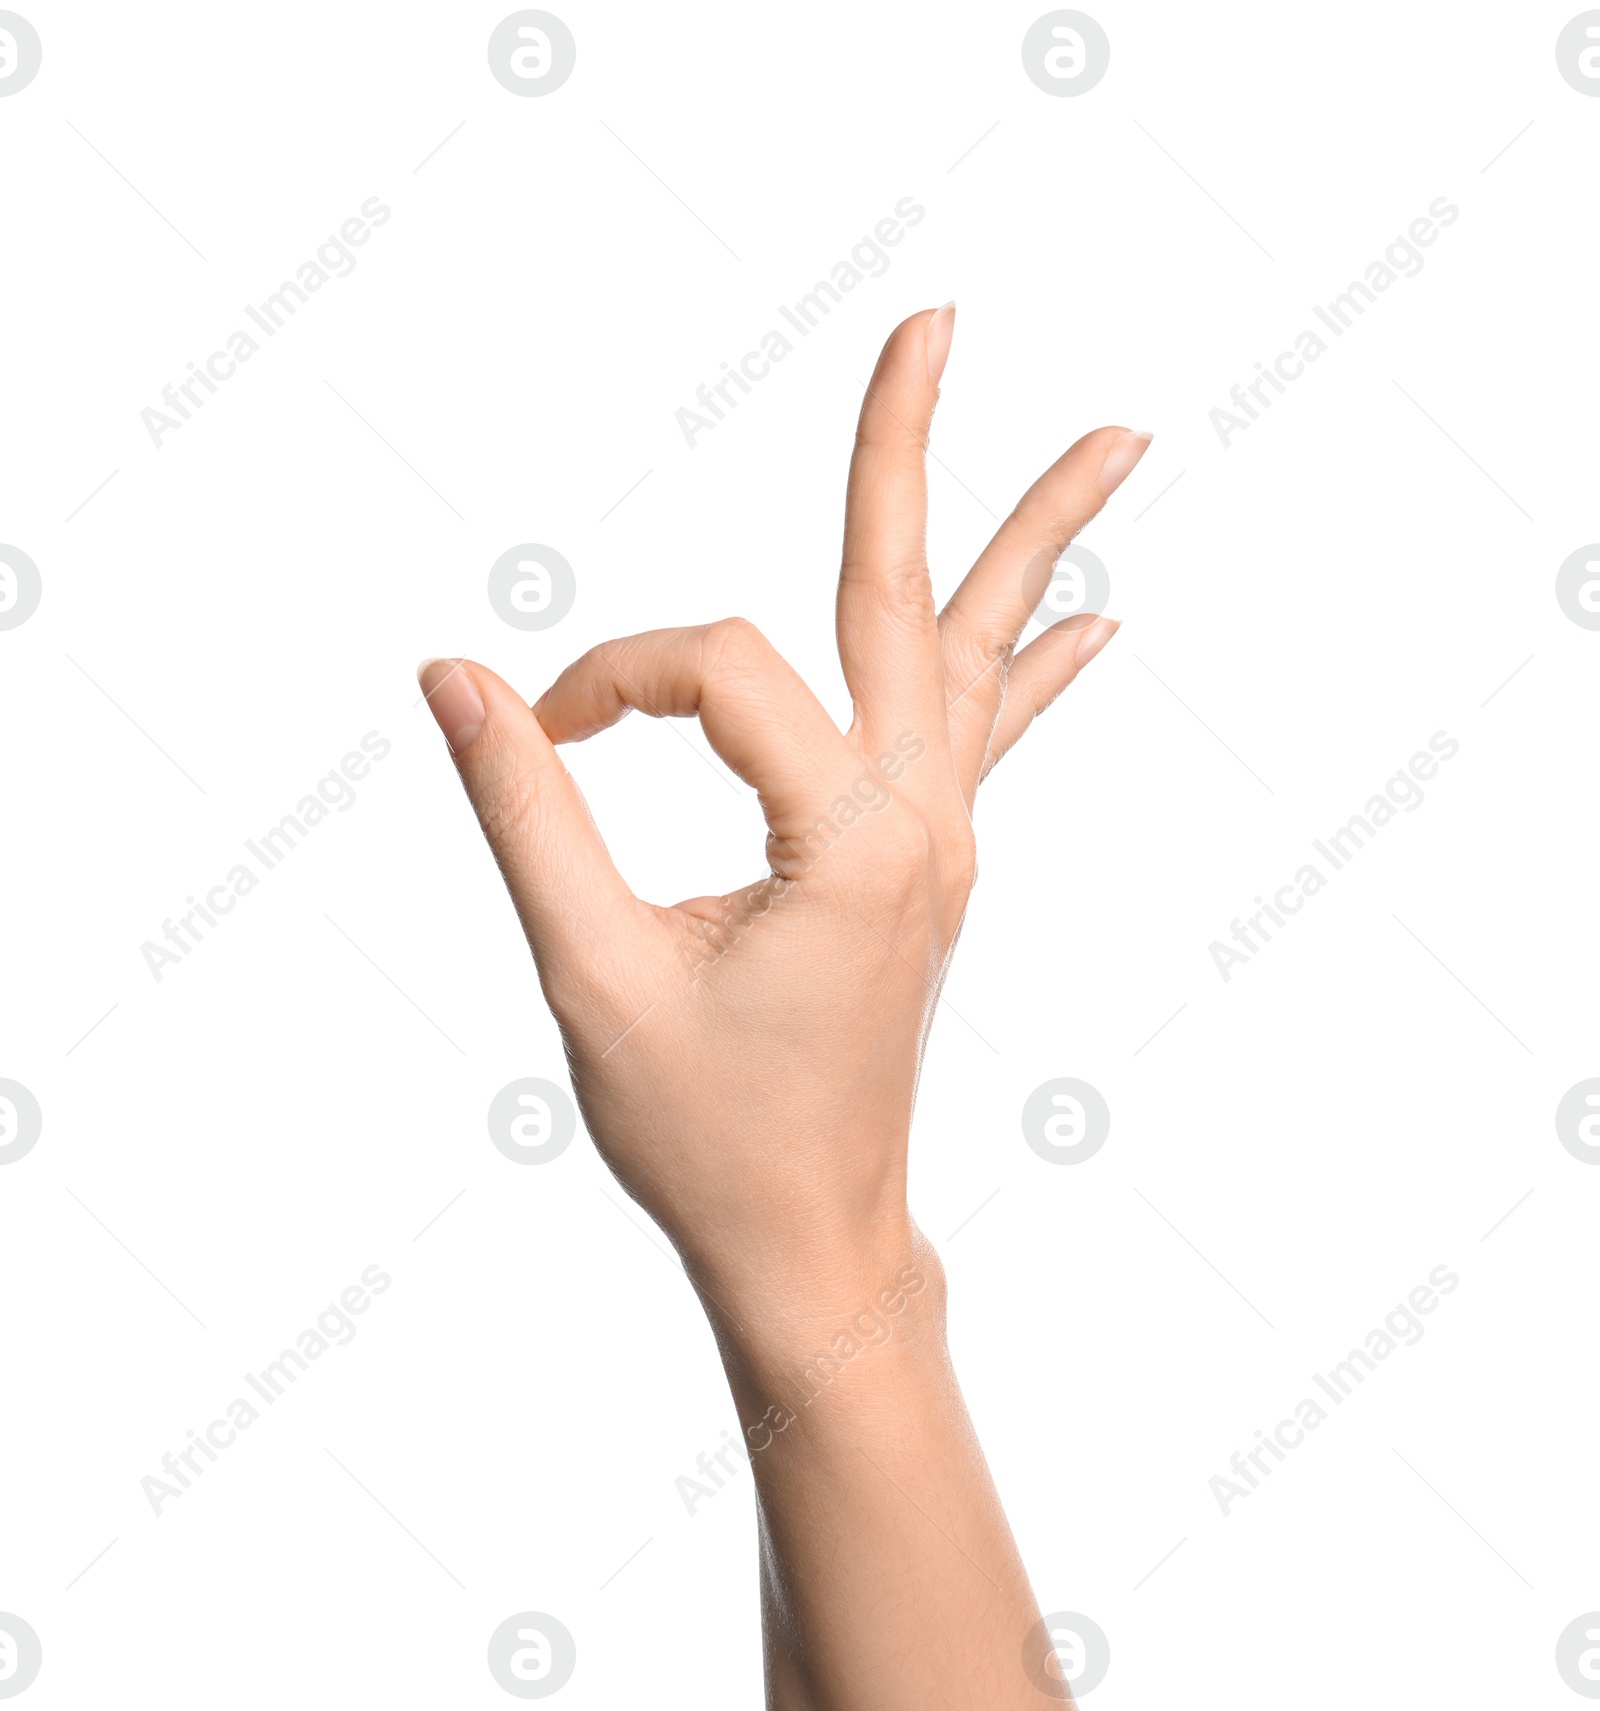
{"x": 1403, "y": 259}
{"x": 1402, "y": 1328}
{"x": 335, "y": 259}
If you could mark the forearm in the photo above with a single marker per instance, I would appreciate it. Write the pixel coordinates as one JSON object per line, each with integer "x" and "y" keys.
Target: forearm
{"x": 890, "y": 1577}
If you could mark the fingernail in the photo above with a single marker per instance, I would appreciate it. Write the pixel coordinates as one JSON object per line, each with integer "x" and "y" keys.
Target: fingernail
{"x": 454, "y": 698}
{"x": 1093, "y": 639}
{"x": 1124, "y": 454}
{"x": 937, "y": 339}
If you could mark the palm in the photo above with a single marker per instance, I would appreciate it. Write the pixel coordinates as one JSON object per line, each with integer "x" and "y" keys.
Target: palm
{"x": 823, "y": 974}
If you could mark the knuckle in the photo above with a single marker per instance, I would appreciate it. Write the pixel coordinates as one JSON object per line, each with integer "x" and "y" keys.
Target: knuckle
{"x": 879, "y": 430}
{"x": 599, "y": 664}
{"x": 905, "y": 574}
{"x": 505, "y": 800}
{"x": 1049, "y": 521}
{"x": 735, "y": 644}
{"x": 905, "y": 846}
{"x": 900, "y": 585}
{"x": 507, "y": 818}
{"x": 1052, "y": 522}
{"x": 977, "y": 648}
{"x": 960, "y": 855}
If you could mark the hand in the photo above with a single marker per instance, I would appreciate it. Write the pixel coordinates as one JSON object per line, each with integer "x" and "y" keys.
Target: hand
{"x": 747, "y": 1064}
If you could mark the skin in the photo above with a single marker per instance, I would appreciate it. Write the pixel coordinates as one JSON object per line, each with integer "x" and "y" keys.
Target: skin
{"x": 747, "y": 1064}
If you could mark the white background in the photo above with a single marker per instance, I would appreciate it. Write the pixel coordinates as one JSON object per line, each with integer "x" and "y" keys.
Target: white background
{"x": 1343, "y": 581}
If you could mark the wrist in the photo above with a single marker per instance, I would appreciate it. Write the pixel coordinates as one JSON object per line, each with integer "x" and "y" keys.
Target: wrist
{"x": 839, "y": 1330}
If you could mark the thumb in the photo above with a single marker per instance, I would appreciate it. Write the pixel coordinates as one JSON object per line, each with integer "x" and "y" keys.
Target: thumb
{"x": 549, "y": 851}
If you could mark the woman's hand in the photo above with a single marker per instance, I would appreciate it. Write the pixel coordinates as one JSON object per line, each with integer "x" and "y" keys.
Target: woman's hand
{"x": 747, "y": 1064}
